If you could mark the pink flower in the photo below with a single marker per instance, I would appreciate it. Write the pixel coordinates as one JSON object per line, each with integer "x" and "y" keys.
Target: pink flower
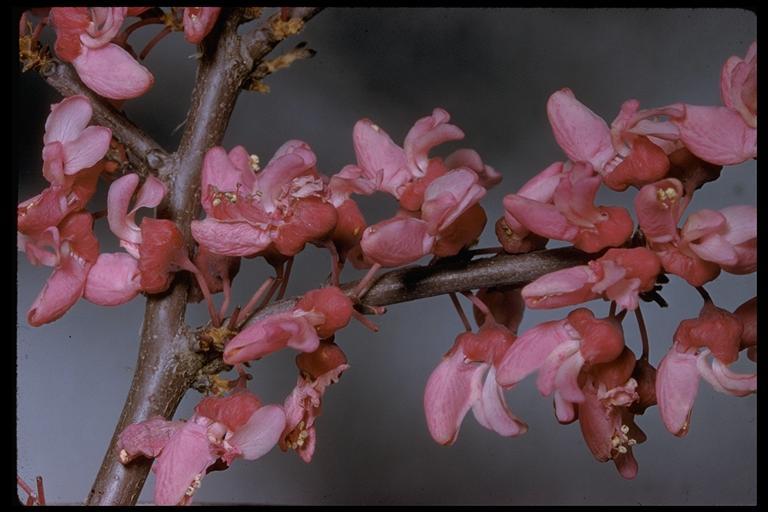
{"x": 281, "y": 208}
{"x": 726, "y": 135}
{"x": 70, "y": 156}
{"x": 318, "y": 315}
{"x": 727, "y": 237}
{"x": 222, "y": 428}
{"x": 714, "y": 332}
{"x": 559, "y": 350}
{"x": 318, "y": 370}
{"x": 571, "y": 215}
{"x": 620, "y": 275}
{"x": 397, "y": 241}
{"x": 83, "y": 37}
{"x": 75, "y": 250}
{"x": 198, "y": 21}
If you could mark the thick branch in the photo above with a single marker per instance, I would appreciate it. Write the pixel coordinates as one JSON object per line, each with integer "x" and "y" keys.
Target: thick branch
{"x": 166, "y": 366}
{"x": 144, "y": 153}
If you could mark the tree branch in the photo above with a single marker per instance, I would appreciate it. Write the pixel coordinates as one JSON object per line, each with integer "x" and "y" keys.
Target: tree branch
{"x": 258, "y": 43}
{"x": 144, "y": 153}
{"x": 166, "y": 366}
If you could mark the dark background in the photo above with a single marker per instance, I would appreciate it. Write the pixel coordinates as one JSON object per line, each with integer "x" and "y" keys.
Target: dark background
{"x": 493, "y": 70}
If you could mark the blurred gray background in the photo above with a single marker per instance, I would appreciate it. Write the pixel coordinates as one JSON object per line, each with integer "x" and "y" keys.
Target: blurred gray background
{"x": 493, "y": 70}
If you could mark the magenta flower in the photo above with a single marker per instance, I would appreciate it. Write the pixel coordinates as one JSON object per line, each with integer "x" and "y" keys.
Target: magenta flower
{"x": 620, "y": 275}
{"x": 318, "y": 370}
{"x": 559, "y": 350}
{"x": 83, "y": 37}
{"x": 222, "y": 428}
{"x": 70, "y": 156}
{"x": 281, "y": 208}
{"x": 715, "y": 332}
{"x": 74, "y": 251}
{"x": 571, "y": 215}
{"x": 726, "y": 135}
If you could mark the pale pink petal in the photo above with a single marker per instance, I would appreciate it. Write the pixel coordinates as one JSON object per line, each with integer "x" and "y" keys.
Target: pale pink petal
{"x": 677, "y": 383}
{"x": 269, "y": 335}
{"x": 625, "y": 293}
{"x": 582, "y": 134}
{"x": 574, "y": 196}
{"x": 492, "y": 412}
{"x": 147, "y": 438}
{"x": 425, "y": 134}
{"x": 566, "y": 380}
{"x": 105, "y": 25}
{"x": 351, "y": 180}
{"x": 397, "y": 241}
{"x": 221, "y": 172}
{"x": 723, "y": 379}
{"x": 565, "y": 411}
{"x": 118, "y": 200}
{"x": 718, "y": 135}
{"x": 530, "y": 350}
{"x": 716, "y": 249}
{"x": 548, "y": 376}
{"x": 561, "y": 288}
{"x": 261, "y": 433}
{"x": 113, "y": 280}
{"x": 542, "y": 186}
{"x": 449, "y": 196}
{"x": 279, "y": 172}
{"x": 543, "y": 219}
{"x": 489, "y": 177}
{"x": 701, "y": 223}
{"x": 182, "y": 463}
{"x": 382, "y": 160}
{"x": 112, "y": 72}
{"x": 598, "y": 425}
{"x": 67, "y": 119}
{"x": 451, "y": 390}
{"x": 87, "y": 149}
{"x": 230, "y": 238}
{"x": 742, "y": 223}
{"x": 60, "y": 292}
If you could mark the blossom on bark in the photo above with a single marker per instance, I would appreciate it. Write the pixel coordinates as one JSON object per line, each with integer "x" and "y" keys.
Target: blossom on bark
{"x": 282, "y": 207}
{"x": 571, "y": 215}
{"x": 559, "y": 350}
{"x": 318, "y": 370}
{"x": 726, "y": 135}
{"x": 84, "y": 38}
{"x": 620, "y": 275}
{"x": 71, "y": 249}
{"x": 222, "y": 428}
{"x": 318, "y": 315}
{"x": 71, "y": 164}
{"x": 714, "y": 332}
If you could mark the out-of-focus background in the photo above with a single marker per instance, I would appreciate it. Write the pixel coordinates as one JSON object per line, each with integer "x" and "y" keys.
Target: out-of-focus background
{"x": 493, "y": 70}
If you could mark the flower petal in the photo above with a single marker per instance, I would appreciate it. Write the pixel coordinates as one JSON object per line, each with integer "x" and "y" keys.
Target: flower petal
{"x": 677, "y": 383}
{"x": 113, "y": 280}
{"x": 530, "y": 350}
{"x": 492, "y": 412}
{"x": 261, "y": 433}
{"x": 112, "y": 72}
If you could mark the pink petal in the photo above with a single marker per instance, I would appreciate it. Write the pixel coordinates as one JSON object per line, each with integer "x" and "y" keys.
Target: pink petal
{"x": 677, "y": 383}
{"x": 574, "y": 196}
{"x": 269, "y": 335}
{"x": 67, "y": 119}
{"x": 147, "y": 438}
{"x": 716, "y": 249}
{"x": 261, "y": 433}
{"x": 582, "y": 134}
{"x": 113, "y": 280}
{"x": 397, "y": 241}
{"x": 598, "y": 425}
{"x": 425, "y": 134}
{"x": 222, "y": 174}
{"x": 87, "y": 149}
{"x": 489, "y": 177}
{"x": 279, "y": 172}
{"x": 659, "y": 207}
{"x": 626, "y": 465}
{"x": 543, "y": 219}
{"x": 112, "y": 72}
{"x": 451, "y": 390}
{"x": 542, "y": 186}
{"x": 702, "y": 223}
{"x": 183, "y": 461}
{"x": 723, "y": 379}
{"x": 230, "y": 238}
{"x": 565, "y": 411}
{"x": 547, "y": 379}
{"x": 566, "y": 380}
{"x": 492, "y": 412}
{"x": 718, "y": 135}
{"x": 448, "y": 197}
{"x": 742, "y": 223}
{"x": 105, "y": 25}
{"x": 530, "y": 350}
{"x": 378, "y": 156}
{"x": 118, "y": 201}
{"x": 60, "y": 292}
{"x": 561, "y": 288}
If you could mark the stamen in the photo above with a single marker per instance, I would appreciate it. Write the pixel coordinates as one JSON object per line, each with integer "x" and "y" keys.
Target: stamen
{"x": 254, "y": 162}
